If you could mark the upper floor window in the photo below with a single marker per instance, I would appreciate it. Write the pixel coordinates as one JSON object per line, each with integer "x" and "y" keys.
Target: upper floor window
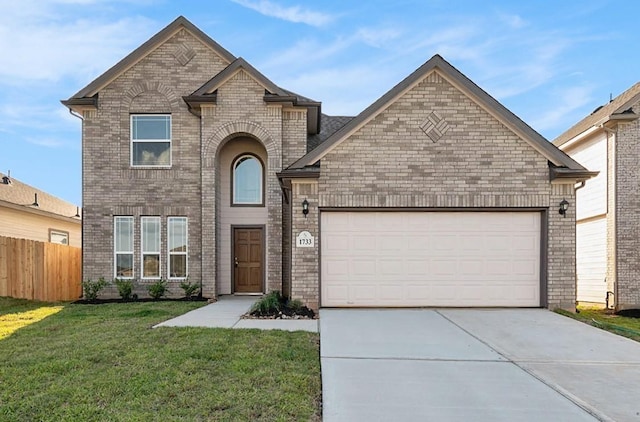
{"x": 151, "y": 140}
{"x": 248, "y": 181}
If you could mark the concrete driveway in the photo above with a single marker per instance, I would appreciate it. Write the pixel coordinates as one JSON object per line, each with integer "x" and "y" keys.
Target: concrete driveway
{"x": 479, "y": 365}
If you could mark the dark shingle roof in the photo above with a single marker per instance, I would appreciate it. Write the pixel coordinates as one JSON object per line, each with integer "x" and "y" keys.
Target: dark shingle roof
{"x": 328, "y": 126}
{"x": 618, "y": 105}
{"x": 21, "y": 194}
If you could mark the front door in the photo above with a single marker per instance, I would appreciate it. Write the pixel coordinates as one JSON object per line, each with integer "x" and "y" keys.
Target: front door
{"x": 248, "y": 260}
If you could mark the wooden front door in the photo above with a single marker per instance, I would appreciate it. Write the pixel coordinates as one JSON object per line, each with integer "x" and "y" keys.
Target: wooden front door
{"x": 248, "y": 260}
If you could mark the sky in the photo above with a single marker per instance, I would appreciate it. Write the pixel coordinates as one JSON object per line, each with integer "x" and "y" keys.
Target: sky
{"x": 551, "y": 63}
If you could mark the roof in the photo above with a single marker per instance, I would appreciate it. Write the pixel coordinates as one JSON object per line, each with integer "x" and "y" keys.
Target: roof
{"x": 328, "y": 126}
{"x": 618, "y": 107}
{"x": 180, "y": 23}
{"x": 554, "y": 155}
{"x": 20, "y": 195}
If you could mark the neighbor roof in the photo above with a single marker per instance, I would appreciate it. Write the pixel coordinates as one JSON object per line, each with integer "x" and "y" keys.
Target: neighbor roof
{"x": 19, "y": 195}
{"x": 142, "y": 51}
{"x": 453, "y": 75}
{"x": 616, "y": 109}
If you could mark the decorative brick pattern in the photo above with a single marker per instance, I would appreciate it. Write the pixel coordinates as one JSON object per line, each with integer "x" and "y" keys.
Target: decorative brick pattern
{"x": 434, "y": 126}
{"x": 183, "y": 54}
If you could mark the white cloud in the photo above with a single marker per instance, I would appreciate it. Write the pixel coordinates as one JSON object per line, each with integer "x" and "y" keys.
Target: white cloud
{"x": 294, "y": 14}
{"x": 564, "y": 111}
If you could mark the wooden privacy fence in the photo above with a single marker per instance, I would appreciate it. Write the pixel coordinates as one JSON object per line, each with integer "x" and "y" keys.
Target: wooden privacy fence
{"x": 39, "y": 271}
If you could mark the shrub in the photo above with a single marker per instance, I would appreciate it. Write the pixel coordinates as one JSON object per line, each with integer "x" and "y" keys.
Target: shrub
{"x": 125, "y": 288}
{"x": 271, "y": 303}
{"x": 294, "y": 304}
{"x": 190, "y": 289}
{"x": 158, "y": 289}
{"x": 91, "y": 289}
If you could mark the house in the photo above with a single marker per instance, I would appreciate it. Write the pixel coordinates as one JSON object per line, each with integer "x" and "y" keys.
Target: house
{"x": 29, "y": 213}
{"x": 196, "y": 164}
{"x": 608, "y": 226}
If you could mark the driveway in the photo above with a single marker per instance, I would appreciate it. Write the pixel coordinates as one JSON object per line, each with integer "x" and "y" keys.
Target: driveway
{"x": 480, "y": 365}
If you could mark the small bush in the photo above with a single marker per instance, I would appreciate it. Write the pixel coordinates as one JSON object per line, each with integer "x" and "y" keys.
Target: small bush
{"x": 190, "y": 289}
{"x": 271, "y": 303}
{"x": 158, "y": 289}
{"x": 294, "y": 304}
{"x": 92, "y": 289}
{"x": 125, "y": 288}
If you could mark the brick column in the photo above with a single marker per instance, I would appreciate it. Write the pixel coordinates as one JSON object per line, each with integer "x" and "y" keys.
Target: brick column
{"x": 561, "y": 249}
{"x": 304, "y": 261}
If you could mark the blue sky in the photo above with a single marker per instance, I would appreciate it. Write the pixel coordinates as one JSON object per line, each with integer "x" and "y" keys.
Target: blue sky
{"x": 549, "y": 62}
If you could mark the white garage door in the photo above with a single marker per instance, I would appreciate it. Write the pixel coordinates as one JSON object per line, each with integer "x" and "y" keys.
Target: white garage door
{"x": 591, "y": 260}
{"x": 430, "y": 258}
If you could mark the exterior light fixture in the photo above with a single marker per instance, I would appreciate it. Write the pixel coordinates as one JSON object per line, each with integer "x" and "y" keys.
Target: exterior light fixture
{"x": 305, "y": 208}
{"x": 77, "y": 212}
{"x": 564, "y": 206}
{"x": 35, "y": 200}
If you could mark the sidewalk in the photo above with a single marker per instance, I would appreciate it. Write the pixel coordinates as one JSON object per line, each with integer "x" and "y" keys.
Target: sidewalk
{"x": 227, "y": 313}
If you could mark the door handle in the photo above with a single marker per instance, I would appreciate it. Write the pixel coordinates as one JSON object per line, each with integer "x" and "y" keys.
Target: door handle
{"x": 235, "y": 261}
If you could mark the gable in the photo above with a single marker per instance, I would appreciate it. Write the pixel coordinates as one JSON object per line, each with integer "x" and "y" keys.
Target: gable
{"x": 570, "y": 168}
{"x": 182, "y": 53}
{"x": 435, "y": 136}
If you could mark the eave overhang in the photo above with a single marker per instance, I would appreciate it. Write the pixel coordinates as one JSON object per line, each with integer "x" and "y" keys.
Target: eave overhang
{"x": 79, "y": 105}
{"x": 575, "y": 175}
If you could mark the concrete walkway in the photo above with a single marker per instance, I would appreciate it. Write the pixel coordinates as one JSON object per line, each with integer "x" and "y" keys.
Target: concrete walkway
{"x": 479, "y": 365}
{"x": 227, "y": 313}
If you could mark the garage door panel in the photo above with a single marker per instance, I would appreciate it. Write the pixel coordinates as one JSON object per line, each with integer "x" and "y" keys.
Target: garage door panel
{"x": 430, "y": 259}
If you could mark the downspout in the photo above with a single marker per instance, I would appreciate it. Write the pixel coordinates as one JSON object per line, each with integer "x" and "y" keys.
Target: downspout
{"x": 576, "y": 237}
{"x": 74, "y": 114}
{"x": 614, "y": 293}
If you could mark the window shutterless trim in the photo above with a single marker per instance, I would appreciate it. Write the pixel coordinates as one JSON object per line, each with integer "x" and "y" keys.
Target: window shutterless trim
{"x": 142, "y": 245}
{"x": 169, "y": 141}
{"x": 115, "y": 246}
{"x": 233, "y": 177}
{"x": 186, "y": 244}
{"x": 59, "y": 232}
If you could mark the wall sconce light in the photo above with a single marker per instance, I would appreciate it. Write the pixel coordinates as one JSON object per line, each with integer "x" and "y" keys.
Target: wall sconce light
{"x": 305, "y": 208}
{"x": 564, "y": 206}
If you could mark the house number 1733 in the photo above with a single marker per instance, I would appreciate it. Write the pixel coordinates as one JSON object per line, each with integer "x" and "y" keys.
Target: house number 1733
{"x": 305, "y": 240}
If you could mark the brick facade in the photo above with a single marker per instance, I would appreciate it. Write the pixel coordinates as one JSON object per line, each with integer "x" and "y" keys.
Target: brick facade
{"x": 627, "y": 219}
{"x": 431, "y": 148}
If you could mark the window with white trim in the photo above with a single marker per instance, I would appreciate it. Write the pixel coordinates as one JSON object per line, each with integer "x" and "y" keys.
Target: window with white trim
{"x": 151, "y": 140}
{"x": 58, "y": 236}
{"x": 123, "y": 247}
{"x": 247, "y": 181}
{"x": 150, "y": 246}
{"x": 177, "y": 235}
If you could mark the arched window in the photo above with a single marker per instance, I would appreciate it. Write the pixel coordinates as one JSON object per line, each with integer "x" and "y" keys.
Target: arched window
{"x": 247, "y": 183}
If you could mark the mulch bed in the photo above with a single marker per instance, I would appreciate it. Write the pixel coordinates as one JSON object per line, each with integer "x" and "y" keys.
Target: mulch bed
{"x": 631, "y": 313}
{"x": 284, "y": 313}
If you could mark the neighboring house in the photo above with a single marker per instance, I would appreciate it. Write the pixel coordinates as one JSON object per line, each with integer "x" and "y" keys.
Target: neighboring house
{"x": 608, "y": 223}
{"x": 29, "y": 213}
{"x": 195, "y": 164}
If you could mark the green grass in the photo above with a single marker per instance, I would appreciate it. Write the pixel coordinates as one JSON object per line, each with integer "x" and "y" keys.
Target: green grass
{"x": 624, "y": 326}
{"x": 104, "y": 362}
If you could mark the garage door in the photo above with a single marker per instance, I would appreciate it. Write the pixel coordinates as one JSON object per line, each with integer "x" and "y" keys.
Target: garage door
{"x": 591, "y": 260}
{"x": 430, "y": 259}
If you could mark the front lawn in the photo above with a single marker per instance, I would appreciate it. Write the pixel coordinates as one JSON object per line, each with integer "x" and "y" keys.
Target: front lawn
{"x": 607, "y": 320}
{"x": 104, "y": 362}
